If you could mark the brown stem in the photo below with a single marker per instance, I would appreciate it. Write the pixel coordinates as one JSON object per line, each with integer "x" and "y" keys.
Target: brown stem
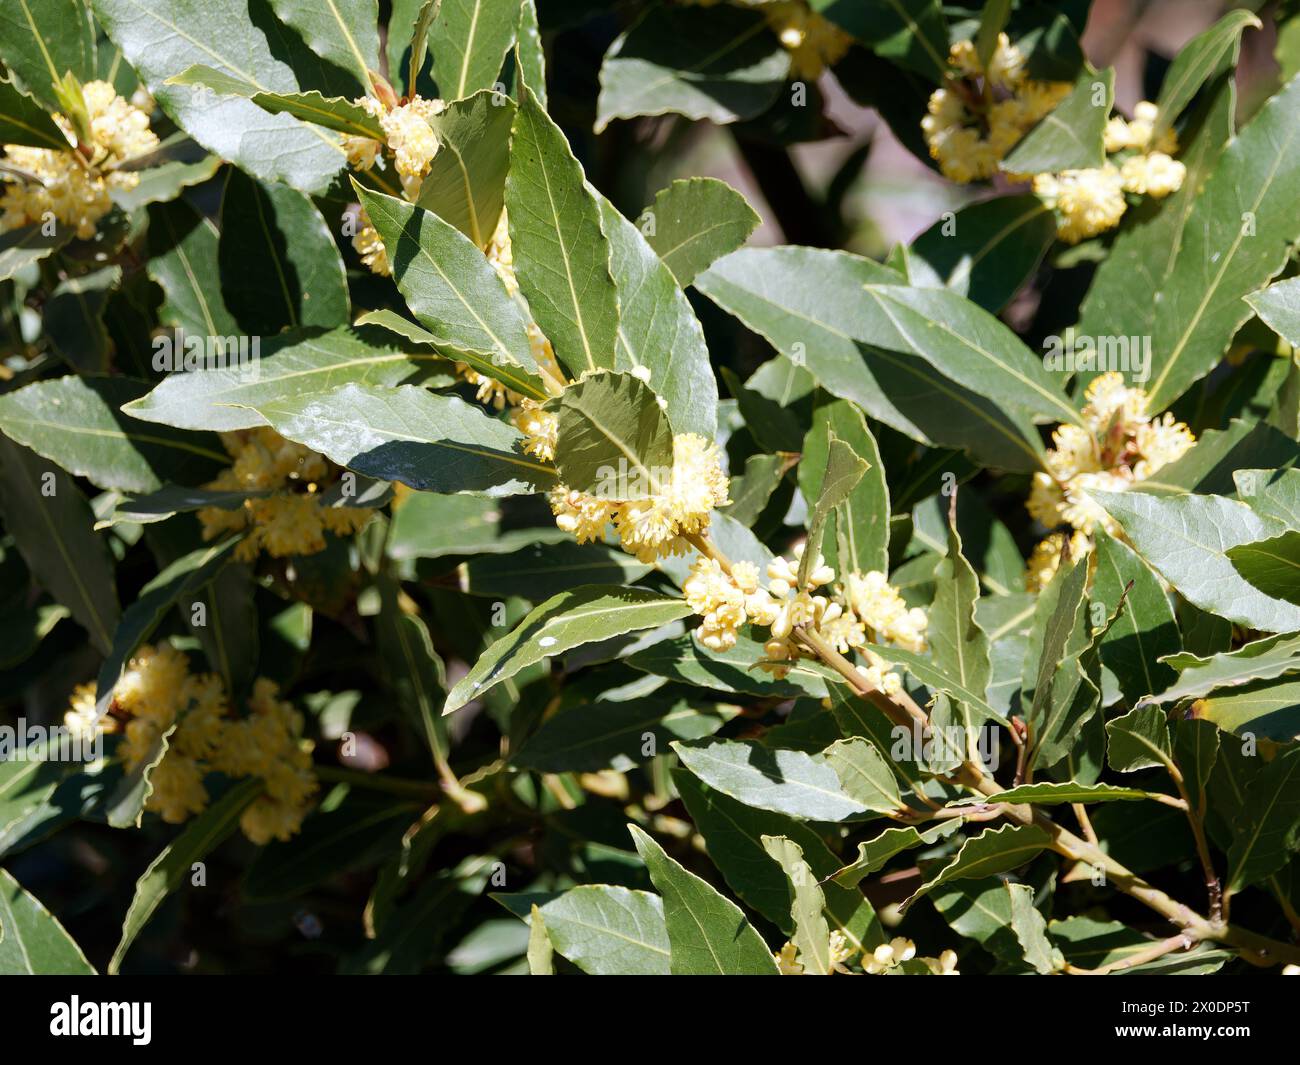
{"x": 1157, "y": 950}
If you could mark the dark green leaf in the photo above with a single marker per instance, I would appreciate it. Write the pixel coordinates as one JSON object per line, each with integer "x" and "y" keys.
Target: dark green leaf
{"x": 696, "y": 222}
{"x": 718, "y": 63}
{"x": 707, "y": 933}
{"x": 562, "y": 257}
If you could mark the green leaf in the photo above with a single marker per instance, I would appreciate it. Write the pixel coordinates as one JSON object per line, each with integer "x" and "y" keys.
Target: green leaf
{"x": 988, "y": 250}
{"x": 995, "y": 850}
{"x": 568, "y": 620}
{"x": 811, "y": 932}
{"x": 407, "y": 940}
{"x": 333, "y": 112}
{"x": 292, "y": 366}
{"x": 76, "y": 422}
{"x": 124, "y": 807}
{"x": 1145, "y": 250}
{"x": 280, "y": 268}
{"x": 1138, "y": 740}
{"x": 614, "y": 439}
{"x": 967, "y": 345}
{"x": 354, "y": 835}
{"x": 1272, "y": 493}
{"x": 981, "y": 910}
{"x": 1145, "y": 630}
{"x": 707, "y": 933}
{"x": 911, "y": 33}
{"x": 727, "y": 671}
{"x": 844, "y": 469}
{"x": 1263, "y": 659}
{"x": 433, "y": 526}
{"x": 172, "y": 867}
{"x": 862, "y": 518}
{"x": 856, "y": 716}
{"x": 431, "y": 442}
{"x": 183, "y": 249}
{"x": 1091, "y": 944}
{"x": 1220, "y": 453}
{"x": 1279, "y": 306}
{"x": 605, "y": 734}
{"x": 177, "y": 584}
{"x": 39, "y": 796}
{"x": 229, "y": 634}
{"x": 455, "y": 293}
{"x": 809, "y": 304}
{"x": 864, "y": 774}
{"x": 419, "y": 19}
{"x": 718, "y": 63}
{"x": 167, "y": 180}
{"x": 793, "y": 783}
{"x": 658, "y": 333}
{"x": 24, "y": 121}
{"x": 1269, "y": 709}
{"x": 1196, "y": 752}
{"x": 1030, "y": 928}
{"x": 1272, "y": 566}
{"x": 161, "y": 42}
{"x": 21, "y": 247}
{"x": 415, "y": 673}
{"x": 73, "y": 319}
{"x": 696, "y": 222}
{"x": 540, "y": 951}
{"x": 1196, "y": 63}
{"x": 1266, "y": 833}
{"x": 606, "y": 930}
{"x": 752, "y": 490}
{"x": 936, "y": 679}
{"x": 875, "y": 852}
{"x": 958, "y": 645}
{"x": 1236, "y": 239}
{"x": 1050, "y": 793}
{"x": 993, "y": 21}
{"x": 51, "y": 523}
{"x": 1070, "y": 136}
{"x": 466, "y": 182}
{"x": 469, "y": 43}
{"x": 41, "y": 40}
{"x": 32, "y": 942}
{"x": 544, "y": 570}
{"x": 562, "y": 256}
{"x": 1185, "y": 539}
{"x": 530, "y": 56}
{"x": 344, "y": 32}
{"x": 734, "y": 834}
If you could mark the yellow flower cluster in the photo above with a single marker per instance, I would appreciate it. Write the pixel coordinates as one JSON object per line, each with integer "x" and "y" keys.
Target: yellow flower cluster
{"x": 541, "y": 428}
{"x": 891, "y": 954}
{"x": 74, "y": 187}
{"x": 788, "y": 962}
{"x": 409, "y": 136}
{"x": 884, "y": 612}
{"x": 864, "y": 608}
{"x": 980, "y": 115}
{"x": 1092, "y": 201}
{"x": 1121, "y": 445}
{"x": 814, "y": 42}
{"x": 366, "y": 242}
{"x": 885, "y": 957}
{"x": 410, "y": 139}
{"x": 292, "y": 520}
{"x": 156, "y": 692}
{"x": 654, "y": 527}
